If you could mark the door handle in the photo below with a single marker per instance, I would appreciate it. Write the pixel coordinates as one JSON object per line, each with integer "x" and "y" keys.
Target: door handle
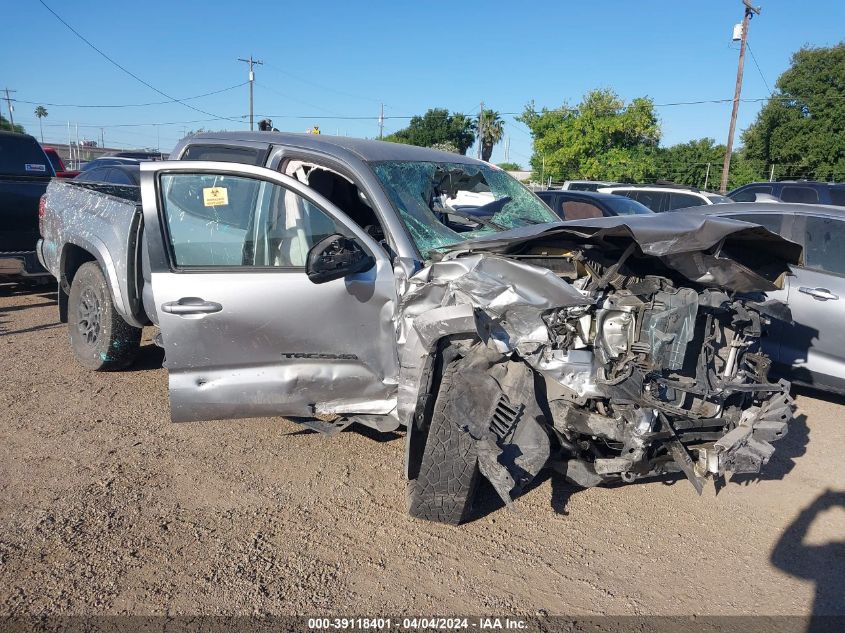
{"x": 821, "y": 294}
{"x": 191, "y": 305}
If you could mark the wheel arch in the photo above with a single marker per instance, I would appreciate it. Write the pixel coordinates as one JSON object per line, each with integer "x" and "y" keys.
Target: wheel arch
{"x": 73, "y": 255}
{"x": 428, "y": 337}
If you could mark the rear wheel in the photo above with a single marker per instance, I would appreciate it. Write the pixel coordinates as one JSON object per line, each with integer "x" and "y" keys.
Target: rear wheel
{"x": 448, "y": 477}
{"x": 100, "y": 338}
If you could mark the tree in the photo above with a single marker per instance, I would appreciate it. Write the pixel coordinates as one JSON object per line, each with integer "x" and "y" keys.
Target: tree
{"x": 801, "y": 129}
{"x": 491, "y": 127}
{"x": 5, "y": 125}
{"x": 687, "y": 164}
{"x": 437, "y": 126}
{"x": 510, "y": 166}
{"x": 446, "y": 146}
{"x": 600, "y": 139}
{"x": 41, "y": 112}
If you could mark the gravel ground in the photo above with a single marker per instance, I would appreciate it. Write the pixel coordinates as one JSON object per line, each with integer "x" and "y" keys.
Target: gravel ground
{"x": 106, "y": 507}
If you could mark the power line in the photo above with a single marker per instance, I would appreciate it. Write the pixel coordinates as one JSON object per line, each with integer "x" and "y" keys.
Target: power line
{"x": 754, "y": 58}
{"x": 129, "y": 72}
{"x": 321, "y": 86}
{"x": 287, "y": 96}
{"x": 128, "y": 105}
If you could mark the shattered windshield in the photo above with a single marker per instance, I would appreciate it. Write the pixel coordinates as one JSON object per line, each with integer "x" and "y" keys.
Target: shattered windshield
{"x": 445, "y": 203}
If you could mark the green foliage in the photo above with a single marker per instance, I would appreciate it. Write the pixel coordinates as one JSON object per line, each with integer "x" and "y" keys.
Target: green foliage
{"x": 492, "y": 130}
{"x": 510, "y": 166}
{"x": 446, "y": 146}
{"x": 686, "y": 164}
{"x": 801, "y": 130}
{"x": 6, "y": 125}
{"x": 600, "y": 139}
{"x": 41, "y": 112}
{"x": 437, "y": 126}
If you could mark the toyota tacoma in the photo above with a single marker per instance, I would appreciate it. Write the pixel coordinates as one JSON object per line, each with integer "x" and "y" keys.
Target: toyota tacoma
{"x": 335, "y": 281}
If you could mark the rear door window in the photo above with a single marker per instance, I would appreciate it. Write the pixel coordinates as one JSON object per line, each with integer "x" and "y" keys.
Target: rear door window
{"x": 823, "y": 244}
{"x": 806, "y": 195}
{"x": 225, "y": 154}
{"x": 657, "y": 201}
{"x": 97, "y": 174}
{"x": 579, "y": 209}
{"x": 120, "y": 177}
{"x": 683, "y": 200}
{"x": 750, "y": 194}
{"x": 837, "y": 196}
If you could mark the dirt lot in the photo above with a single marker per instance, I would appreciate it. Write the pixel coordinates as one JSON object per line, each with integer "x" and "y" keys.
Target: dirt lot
{"x": 106, "y": 507}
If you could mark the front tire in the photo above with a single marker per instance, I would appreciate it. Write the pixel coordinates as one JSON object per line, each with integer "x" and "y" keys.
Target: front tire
{"x": 448, "y": 477}
{"x": 100, "y": 338}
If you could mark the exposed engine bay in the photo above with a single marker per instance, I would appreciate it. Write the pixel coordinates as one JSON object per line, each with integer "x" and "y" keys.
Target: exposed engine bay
{"x": 616, "y": 363}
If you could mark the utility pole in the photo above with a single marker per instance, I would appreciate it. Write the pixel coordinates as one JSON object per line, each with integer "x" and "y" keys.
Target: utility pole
{"x": 11, "y": 107}
{"x": 749, "y": 12}
{"x": 480, "y": 129}
{"x": 381, "y": 123}
{"x": 250, "y": 61}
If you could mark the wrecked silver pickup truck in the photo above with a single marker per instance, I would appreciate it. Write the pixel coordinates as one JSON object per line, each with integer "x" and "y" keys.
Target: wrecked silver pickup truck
{"x": 336, "y": 281}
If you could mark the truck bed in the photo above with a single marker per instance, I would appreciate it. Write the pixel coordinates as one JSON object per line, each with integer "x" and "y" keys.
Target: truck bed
{"x": 102, "y": 222}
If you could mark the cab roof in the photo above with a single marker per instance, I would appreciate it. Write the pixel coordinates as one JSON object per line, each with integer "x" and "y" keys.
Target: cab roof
{"x": 365, "y": 149}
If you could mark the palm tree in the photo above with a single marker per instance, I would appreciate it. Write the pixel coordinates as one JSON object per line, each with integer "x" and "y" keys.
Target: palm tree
{"x": 41, "y": 112}
{"x": 491, "y": 129}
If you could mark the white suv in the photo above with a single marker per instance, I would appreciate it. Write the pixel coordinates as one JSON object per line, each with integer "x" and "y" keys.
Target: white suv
{"x": 660, "y": 198}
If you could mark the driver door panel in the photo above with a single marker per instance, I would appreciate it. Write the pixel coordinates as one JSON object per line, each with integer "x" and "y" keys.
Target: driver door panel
{"x": 246, "y": 333}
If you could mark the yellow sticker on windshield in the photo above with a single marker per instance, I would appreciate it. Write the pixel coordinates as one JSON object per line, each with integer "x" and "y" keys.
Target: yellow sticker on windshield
{"x": 215, "y": 196}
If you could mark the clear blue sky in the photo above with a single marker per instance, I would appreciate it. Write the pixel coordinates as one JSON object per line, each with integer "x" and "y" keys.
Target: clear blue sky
{"x": 329, "y": 59}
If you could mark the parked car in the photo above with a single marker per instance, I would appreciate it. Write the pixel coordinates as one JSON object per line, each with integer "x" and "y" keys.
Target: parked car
{"x": 586, "y": 185}
{"x": 108, "y": 161}
{"x": 25, "y": 172}
{"x": 809, "y": 348}
{"x": 576, "y": 205}
{"x": 113, "y": 174}
{"x": 325, "y": 277}
{"x": 140, "y": 154}
{"x": 802, "y": 191}
{"x": 59, "y": 165}
{"x": 662, "y": 198}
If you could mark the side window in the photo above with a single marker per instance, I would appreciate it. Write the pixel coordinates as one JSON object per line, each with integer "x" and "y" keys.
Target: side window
{"x": 771, "y": 221}
{"x": 225, "y": 154}
{"x": 120, "y": 177}
{"x": 654, "y": 200}
{"x": 98, "y": 174}
{"x": 750, "y": 194}
{"x": 837, "y": 196}
{"x": 683, "y": 200}
{"x": 823, "y": 239}
{"x": 806, "y": 195}
{"x": 578, "y": 209}
{"x": 215, "y": 220}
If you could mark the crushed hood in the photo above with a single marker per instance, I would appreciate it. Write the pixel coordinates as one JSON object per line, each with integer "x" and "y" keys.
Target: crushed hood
{"x": 711, "y": 251}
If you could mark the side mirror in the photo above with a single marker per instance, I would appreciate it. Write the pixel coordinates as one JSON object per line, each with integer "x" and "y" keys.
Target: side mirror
{"x": 336, "y": 257}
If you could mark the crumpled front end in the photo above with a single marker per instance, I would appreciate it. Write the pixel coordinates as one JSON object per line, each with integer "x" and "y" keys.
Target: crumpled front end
{"x": 603, "y": 353}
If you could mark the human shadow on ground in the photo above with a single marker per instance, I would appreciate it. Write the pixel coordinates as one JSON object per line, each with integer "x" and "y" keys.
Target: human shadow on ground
{"x": 824, "y": 564}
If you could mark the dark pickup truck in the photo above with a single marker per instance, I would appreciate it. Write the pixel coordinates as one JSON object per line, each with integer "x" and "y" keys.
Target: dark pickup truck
{"x": 25, "y": 172}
